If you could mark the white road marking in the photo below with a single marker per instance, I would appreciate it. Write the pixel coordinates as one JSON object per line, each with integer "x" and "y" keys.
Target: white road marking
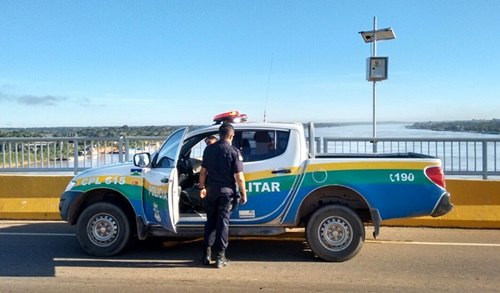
{"x": 403, "y": 242}
{"x": 122, "y": 260}
{"x": 34, "y": 234}
{"x": 433, "y": 243}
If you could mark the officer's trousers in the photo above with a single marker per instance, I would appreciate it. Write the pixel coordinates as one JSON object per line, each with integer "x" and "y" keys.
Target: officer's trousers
{"x": 218, "y": 209}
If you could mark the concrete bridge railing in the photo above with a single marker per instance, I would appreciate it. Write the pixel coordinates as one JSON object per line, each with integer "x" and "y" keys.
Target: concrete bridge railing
{"x": 28, "y": 197}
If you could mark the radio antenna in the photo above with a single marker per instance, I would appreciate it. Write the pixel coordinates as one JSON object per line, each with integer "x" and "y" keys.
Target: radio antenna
{"x": 268, "y": 83}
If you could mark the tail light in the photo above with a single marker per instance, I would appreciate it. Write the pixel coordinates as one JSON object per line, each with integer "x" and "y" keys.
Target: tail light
{"x": 436, "y": 175}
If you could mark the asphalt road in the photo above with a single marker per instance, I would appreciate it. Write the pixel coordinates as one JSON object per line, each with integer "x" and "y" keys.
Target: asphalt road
{"x": 46, "y": 257}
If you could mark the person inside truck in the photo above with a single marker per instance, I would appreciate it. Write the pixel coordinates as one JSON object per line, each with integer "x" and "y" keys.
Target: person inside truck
{"x": 210, "y": 140}
{"x": 264, "y": 145}
{"x": 190, "y": 200}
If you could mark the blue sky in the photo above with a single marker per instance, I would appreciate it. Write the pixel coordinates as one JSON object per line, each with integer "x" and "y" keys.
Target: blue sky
{"x": 96, "y": 63}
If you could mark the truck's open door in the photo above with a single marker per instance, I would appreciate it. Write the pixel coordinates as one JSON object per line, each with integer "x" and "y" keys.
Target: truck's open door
{"x": 161, "y": 184}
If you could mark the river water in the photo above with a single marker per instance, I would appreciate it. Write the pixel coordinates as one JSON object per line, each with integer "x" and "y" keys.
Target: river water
{"x": 394, "y": 130}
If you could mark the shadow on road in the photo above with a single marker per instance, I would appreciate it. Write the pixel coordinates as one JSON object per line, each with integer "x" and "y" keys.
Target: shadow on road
{"x": 36, "y": 249}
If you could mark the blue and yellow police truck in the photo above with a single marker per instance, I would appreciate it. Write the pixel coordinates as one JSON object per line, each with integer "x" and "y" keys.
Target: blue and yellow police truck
{"x": 332, "y": 196}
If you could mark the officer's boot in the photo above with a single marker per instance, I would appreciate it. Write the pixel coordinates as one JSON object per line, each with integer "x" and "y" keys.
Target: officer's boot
{"x": 222, "y": 261}
{"x": 207, "y": 253}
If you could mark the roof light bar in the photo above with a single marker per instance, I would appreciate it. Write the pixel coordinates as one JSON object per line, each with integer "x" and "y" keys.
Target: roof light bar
{"x": 230, "y": 117}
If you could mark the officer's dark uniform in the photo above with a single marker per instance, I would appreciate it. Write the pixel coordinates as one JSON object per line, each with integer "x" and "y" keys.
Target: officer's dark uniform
{"x": 222, "y": 161}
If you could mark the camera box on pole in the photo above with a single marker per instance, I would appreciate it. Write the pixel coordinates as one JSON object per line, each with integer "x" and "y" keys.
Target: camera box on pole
{"x": 376, "y": 68}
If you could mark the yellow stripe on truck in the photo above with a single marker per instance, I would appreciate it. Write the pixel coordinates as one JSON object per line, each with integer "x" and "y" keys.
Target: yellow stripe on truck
{"x": 371, "y": 165}
{"x": 267, "y": 174}
{"x": 110, "y": 179}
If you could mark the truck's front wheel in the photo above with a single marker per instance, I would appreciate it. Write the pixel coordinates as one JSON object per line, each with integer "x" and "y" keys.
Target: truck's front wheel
{"x": 335, "y": 233}
{"x": 103, "y": 229}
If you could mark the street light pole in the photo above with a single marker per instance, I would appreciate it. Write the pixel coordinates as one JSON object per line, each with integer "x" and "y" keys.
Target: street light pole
{"x": 374, "y": 90}
{"x": 376, "y": 69}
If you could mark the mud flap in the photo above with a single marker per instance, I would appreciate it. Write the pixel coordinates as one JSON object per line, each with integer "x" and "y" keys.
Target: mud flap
{"x": 376, "y": 219}
{"x": 142, "y": 230}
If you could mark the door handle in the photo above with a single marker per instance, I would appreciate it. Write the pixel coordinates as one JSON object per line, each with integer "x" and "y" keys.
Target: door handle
{"x": 281, "y": 171}
{"x": 164, "y": 180}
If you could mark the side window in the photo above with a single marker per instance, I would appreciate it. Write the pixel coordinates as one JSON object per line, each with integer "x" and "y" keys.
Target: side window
{"x": 257, "y": 145}
{"x": 196, "y": 145}
{"x": 197, "y": 150}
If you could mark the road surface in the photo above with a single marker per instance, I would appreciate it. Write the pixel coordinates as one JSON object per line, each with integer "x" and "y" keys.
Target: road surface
{"x": 46, "y": 257}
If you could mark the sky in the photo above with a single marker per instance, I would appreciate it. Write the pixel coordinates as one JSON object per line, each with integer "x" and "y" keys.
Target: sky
{"x": 113, "y": 63}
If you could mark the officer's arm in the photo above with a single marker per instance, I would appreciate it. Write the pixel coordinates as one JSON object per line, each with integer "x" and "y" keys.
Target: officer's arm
{"x": 202, "y": 180}
{"x": 240, "y": 180}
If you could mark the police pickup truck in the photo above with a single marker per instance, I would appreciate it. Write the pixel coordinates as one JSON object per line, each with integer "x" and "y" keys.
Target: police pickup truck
{"x": 332, "y": 196}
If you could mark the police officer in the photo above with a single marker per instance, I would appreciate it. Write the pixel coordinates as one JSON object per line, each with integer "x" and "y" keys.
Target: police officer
{"x": 221, "y": 170}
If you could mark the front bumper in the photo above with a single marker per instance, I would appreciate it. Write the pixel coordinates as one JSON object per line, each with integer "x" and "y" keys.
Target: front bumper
{"x": 68, "y": 205}
{"x": 443, "y": 207}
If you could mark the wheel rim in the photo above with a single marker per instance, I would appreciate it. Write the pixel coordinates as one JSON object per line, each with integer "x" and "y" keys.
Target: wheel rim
{"x": 103, "y": 229}
{"x": 335, "y": 233}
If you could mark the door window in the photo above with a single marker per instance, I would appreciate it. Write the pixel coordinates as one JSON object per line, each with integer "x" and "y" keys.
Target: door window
{"x": 257, "y": 145}
{"x": 167, "y": 155}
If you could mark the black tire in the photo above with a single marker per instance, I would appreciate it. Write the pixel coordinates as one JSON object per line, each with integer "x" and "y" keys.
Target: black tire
{"x": 335, "y": 233}
{"x": 103, "y": 229}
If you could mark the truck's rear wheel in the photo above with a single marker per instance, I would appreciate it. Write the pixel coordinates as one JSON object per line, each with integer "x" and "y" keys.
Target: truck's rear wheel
{"x": 103, "y": 229}
{"x": 335, "y": 233}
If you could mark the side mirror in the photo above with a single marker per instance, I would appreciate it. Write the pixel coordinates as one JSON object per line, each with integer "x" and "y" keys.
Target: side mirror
{"x": 142, "y": 160}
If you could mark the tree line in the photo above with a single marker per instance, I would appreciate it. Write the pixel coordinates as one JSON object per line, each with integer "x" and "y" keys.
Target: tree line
{"x": 107, "y": 131}
{"x": 478, "y": 126}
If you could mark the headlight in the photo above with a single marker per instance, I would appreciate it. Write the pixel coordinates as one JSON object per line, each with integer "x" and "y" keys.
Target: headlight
{"x": 71, "y": 184}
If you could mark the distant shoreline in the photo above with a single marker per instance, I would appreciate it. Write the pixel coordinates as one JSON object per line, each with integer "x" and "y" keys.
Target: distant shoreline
{"x": 337, "y": 124}
{"x": 95, "y": 131}
{"x": 474, "y": 126}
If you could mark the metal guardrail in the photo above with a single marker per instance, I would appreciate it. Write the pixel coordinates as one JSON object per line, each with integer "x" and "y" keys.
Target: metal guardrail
{"x": 459, "y": 156}
{"x": 70, "y": 153}
{"x": 477, "y": 157}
